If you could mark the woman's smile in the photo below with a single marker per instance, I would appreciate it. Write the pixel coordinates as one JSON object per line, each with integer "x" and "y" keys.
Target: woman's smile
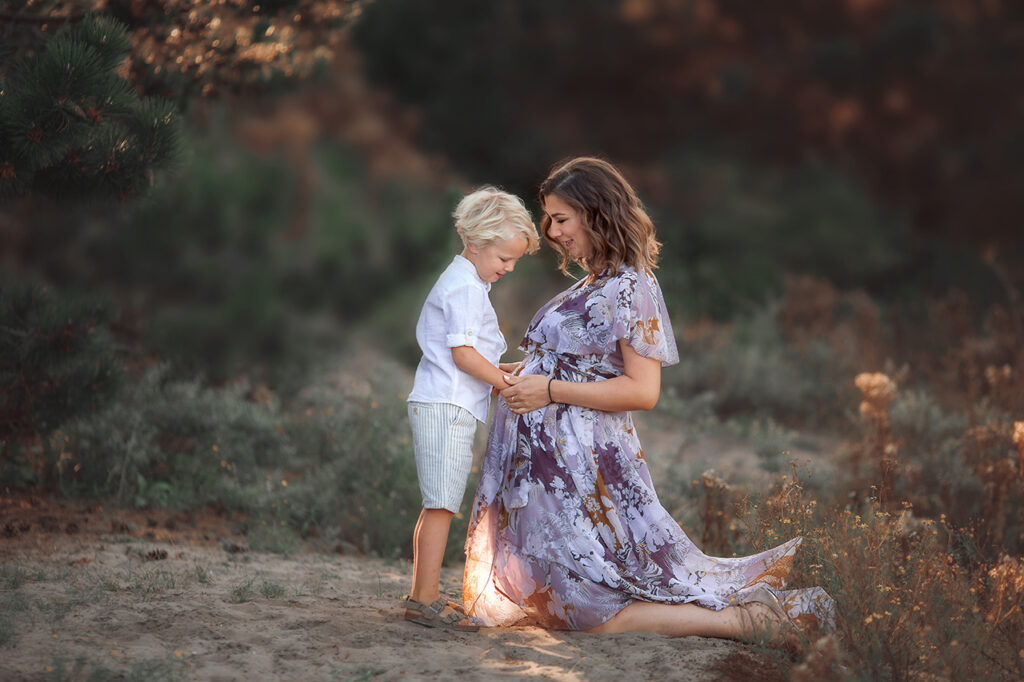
{"x": 566, "y": 227}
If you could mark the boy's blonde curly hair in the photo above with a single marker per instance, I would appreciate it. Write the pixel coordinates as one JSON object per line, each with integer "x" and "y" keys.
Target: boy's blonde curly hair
{"x": 488, "y": 215}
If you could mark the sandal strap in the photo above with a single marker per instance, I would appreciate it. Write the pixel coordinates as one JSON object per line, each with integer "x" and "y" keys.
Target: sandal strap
{"x": 449, "y": 618}
{"x": 434, "y": 610}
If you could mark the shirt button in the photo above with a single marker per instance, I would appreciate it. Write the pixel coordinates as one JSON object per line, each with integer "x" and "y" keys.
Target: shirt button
{"x": 469, "y": 333}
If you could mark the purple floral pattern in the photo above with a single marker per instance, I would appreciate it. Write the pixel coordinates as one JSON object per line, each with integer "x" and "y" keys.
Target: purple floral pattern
{"x": 567, "y": 528}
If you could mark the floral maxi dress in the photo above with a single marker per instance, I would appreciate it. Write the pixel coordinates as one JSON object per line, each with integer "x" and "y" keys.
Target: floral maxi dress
{"x": 567, "y": 529}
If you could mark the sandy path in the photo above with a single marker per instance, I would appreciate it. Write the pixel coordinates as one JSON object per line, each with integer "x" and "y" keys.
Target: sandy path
{"x": 99, "y": 602}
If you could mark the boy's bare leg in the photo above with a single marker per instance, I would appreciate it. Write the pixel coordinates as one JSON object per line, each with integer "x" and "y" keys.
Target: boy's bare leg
{"x": 428, "y": 544}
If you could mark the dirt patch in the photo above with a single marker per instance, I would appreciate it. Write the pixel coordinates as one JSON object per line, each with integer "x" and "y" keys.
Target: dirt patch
{"x": 157, "y": 595}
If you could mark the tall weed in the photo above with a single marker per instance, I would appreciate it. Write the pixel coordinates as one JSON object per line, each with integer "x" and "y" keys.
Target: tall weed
{"x": 908, "y": 605}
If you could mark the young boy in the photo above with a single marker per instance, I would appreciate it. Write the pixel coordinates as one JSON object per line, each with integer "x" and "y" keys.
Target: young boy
{"x": 461, "y": 343}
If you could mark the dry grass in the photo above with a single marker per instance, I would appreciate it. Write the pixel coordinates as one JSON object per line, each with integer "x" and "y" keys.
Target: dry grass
{"x": 920, "y": 538}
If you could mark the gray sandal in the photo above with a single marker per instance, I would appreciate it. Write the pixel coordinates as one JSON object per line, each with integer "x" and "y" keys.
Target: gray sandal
{"x": 437, "y": 615}
{"x": 784, "y": 632}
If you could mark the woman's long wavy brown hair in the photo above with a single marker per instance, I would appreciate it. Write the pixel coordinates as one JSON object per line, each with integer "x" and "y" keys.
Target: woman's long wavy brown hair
{"x": 619, "y": 228}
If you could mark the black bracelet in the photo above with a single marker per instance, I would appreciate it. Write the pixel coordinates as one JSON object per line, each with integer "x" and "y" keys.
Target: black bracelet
{"x": 550, "y": 399}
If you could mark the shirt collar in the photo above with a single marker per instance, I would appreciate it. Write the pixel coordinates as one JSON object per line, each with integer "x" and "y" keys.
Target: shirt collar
{"x": 466, "y": 265}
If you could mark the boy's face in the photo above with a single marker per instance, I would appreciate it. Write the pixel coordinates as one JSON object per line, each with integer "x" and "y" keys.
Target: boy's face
{"x": 494, "y": 259}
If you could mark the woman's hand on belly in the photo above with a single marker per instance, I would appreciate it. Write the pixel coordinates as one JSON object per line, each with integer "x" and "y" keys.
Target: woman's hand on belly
{"x": 637, "y": 388}
{"x": 526, "y": 393}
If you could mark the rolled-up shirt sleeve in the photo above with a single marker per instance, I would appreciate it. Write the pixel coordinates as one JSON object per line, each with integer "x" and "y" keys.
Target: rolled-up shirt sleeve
{"x": 463, "y": 316}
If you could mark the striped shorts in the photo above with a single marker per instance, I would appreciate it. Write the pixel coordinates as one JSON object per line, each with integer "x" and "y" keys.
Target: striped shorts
{"x": 442, "y": 438}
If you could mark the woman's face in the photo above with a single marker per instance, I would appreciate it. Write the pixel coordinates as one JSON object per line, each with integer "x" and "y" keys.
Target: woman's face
{"x": 566, "y": 228}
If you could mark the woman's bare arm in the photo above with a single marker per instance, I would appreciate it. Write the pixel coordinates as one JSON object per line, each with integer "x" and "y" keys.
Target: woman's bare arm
{"x": 637, "y": 389}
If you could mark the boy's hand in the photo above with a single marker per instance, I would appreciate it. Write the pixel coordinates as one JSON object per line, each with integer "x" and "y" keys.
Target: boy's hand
{"x": 469, "y": 360}
{"x": 509, "y": 378}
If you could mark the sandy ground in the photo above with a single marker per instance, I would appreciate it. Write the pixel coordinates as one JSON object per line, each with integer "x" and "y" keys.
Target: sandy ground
{"x": 88, "y": 593}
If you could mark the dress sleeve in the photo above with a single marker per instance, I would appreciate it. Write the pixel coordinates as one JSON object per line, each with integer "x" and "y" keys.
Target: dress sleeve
{"x": 463, "y": 316}
{"x": 639, "y": 315}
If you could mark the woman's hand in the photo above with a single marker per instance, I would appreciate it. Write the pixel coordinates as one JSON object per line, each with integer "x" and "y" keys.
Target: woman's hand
{"x": 637, "y": 388}
{"x": 526, "y": 393}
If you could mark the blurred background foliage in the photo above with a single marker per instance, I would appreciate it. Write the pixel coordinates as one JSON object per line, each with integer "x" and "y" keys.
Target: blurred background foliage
{"x": 836, "y": 185}
{"x": 914, "y": 99}
{"x": 782, "y": 154}
{"x": 808, "y": 170}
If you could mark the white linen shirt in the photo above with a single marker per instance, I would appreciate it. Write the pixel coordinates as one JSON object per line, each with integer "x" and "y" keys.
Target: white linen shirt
{"x": 457, "y": 312}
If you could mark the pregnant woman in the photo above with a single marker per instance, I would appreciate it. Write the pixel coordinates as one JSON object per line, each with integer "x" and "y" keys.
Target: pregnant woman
{"x": 567, "y": 530}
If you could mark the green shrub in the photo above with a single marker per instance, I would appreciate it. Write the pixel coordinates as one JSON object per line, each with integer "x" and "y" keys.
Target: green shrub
{"x": 235, "y": 269}
{"x": 57, "y": 362}
{"x": 750, "y": 368}
{"x": 932, "y": 474}
{"x": 753, "y": 224}
{"x": 271, "y": 589}
{"x": 373, "y": 240}
{"x": 337, "y": 464}
{"x": 174, "y": 443}
{"x": 360, "y": 481}
{"x": 57, "y": 357}
{"x": 242, "y": 592}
